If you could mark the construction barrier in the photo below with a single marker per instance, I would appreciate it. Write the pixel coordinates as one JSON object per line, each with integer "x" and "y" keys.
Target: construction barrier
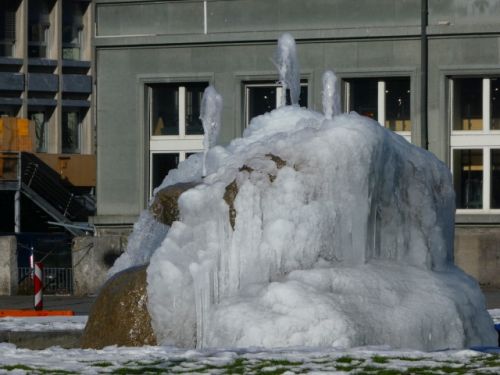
{"x": 38, "y": 286}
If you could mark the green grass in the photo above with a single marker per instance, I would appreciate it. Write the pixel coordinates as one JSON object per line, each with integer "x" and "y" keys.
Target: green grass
{"x": 101, "y": 364}
{"x": 345, "y": 359}
{"x": 379, "y": 359}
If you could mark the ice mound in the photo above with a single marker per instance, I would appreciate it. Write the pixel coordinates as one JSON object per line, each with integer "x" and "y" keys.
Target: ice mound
{"x": 338, "y": 233}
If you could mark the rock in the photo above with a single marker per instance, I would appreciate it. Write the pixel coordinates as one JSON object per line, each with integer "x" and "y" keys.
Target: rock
{"x": 119, "y": 315}
{"x": 164, "y": 207}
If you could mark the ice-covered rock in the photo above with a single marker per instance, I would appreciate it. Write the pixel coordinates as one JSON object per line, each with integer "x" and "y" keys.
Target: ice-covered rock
{"x": 338, "y": 233}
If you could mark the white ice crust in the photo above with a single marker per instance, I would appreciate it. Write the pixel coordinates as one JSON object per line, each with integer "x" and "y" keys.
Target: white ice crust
{"x": 349, "y": 244}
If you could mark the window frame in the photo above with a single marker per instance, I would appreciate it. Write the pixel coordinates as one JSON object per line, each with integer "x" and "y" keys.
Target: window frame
{"x": 485, "y": 139}
{"x": 180, "y": 144}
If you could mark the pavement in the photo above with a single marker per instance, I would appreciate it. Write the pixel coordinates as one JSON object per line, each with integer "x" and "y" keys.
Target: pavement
{"x": 79, "y": 305}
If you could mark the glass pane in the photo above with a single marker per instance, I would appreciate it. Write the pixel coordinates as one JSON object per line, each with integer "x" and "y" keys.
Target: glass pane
{"x": 41, "y": 130}
{"x": 397, "y": 102}
{"x": 70, "y": 53}
{"x": 363, "y": 97}
{"x": 194, "y": 93}
{"x": 468, "y": 178}
{"x": 495, "y": 178}
{"x": 260, "y": 100}
{"x": 165, "y": 110}
{"x": 302, "y": 97}
{"x": 467, "y": 104}
{"x": 495, "y": 103}
{"x": 71, "y": 132}
{"x": 162, "y": 164}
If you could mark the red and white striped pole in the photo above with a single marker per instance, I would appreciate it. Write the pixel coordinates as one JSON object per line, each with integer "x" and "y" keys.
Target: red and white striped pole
{"x": 38, "y": 284}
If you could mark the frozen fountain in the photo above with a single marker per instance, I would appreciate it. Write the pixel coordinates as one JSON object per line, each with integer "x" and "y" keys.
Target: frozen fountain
{"x": 310, "y": 230}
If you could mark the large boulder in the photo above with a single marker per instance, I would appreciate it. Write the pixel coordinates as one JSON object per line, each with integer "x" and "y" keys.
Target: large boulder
{"x": 119, "y": 315}
{"x": 164, "y": 207}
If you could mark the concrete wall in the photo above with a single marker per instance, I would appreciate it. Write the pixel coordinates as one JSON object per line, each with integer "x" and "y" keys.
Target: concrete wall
{"x": 165, "y": 41}
{"x": 477, "y": 252}
{"x": 92, "y": 258}
{"x": 8, "y": 266}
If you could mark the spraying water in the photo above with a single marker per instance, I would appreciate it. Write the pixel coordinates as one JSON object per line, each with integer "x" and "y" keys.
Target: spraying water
{"x": 331, "y": 97}
{"x": 210, "y": 115}
{"x": 288, "y": 68}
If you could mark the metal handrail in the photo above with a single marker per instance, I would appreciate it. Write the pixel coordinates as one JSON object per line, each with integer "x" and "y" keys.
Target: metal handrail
{"x": 47, "y": 184}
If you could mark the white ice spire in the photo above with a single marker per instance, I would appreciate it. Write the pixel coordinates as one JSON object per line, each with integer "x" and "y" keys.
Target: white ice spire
{"x": 331, "y": 97}
{"x": 288, "y": 68}
{"x": 210, "y": 115}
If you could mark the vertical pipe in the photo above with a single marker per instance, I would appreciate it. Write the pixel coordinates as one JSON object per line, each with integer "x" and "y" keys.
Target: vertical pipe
{"x": 424, "y": 68}
{"x": 17, "y": 211}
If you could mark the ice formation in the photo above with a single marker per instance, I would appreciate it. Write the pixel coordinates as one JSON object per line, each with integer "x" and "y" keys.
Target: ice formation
{"x": 211, "y": 108}
{"x": 288, "y": 68}
{"x": 314, "y": 230}
{"x": 330, "y": 95}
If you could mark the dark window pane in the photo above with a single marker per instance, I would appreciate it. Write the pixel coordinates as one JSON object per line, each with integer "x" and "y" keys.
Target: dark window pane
{"x": 194, "y": 93}
{"x": 71, "y": 132}
{"x": 165, "y": 110}
{"x": 467, "y": 104}
{"x": 397, "y": 102}
{"x": 468, "y": 178}
{"x": 162, "y": 164}
{"x": 38, "y": 20}
{"x": 302, "y": 97}
{"x": 495, "y": 103}
{"x": 72, "y": 27}
{"x": 7, "y": 27}
{"x": 495, "y": 178}
{"x": 41, "y": 129}
{"x": 260, "y": 100}
{"x": 363, "y": 97}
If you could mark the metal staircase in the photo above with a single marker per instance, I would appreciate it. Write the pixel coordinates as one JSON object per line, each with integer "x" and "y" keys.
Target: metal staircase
{"x": 45, "y": 187}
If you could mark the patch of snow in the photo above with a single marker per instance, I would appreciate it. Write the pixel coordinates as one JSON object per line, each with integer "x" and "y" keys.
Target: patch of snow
{"x": 48, "y": 323}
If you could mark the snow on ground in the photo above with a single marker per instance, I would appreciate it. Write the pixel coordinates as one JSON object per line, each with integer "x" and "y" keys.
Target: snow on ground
{"x": 495, "y": 314}
{"x": 48, "y": 323}
{"x": 157, "y": 359}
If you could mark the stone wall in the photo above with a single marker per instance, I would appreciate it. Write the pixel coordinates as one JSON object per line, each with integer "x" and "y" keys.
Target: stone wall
{"x": 8, "y": 265}
{"x": 477, "y": 252}
{"x": 92, "y": 257}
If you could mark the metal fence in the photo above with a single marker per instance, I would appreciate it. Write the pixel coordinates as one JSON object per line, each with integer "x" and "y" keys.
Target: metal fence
{"x": 55, "y": 280}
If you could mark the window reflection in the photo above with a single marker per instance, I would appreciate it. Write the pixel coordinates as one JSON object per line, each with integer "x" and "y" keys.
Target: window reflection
{"x": 468, "y": 178}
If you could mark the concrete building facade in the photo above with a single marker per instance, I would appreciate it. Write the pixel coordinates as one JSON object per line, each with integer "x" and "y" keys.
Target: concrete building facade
{"x": 428, "y": 69}
{"x": 46, "y": 71}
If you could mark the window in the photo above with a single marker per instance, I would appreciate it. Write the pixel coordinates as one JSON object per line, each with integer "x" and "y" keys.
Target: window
{"x": 175, "y": 109}
{"x": 386, "y": 100}
{"x": 7, "y": 27}
{"x": 71, "y": 132}
{"x": 264, "y": 96}
{"x": 40, "y": 118}
{"x": 72, "y": 29}
{"x": 175, "y": 128}
{"x": 475, "y": 142}
{"x": 38, "y": 28}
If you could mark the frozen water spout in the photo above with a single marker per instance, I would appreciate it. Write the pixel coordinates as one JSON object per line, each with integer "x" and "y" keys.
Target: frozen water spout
{"x": 331, "y": 98}
{"x": 210, "y": 115}
{"x": 288, "y": 68}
